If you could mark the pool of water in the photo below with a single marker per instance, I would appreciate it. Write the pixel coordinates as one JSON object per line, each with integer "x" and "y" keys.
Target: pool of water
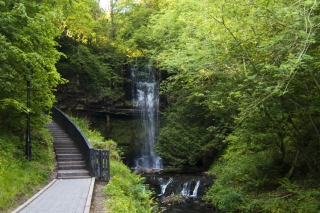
{"x": 188, "y": 207}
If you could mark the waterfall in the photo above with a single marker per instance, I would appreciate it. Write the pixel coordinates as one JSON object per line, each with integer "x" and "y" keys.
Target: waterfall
{"x": 145, "y": 92}
{"x": 163, "y": 186}
{"x": 186, "y": 189}
{"x": 187, "y": 186}
{"x": 195, "y": 190}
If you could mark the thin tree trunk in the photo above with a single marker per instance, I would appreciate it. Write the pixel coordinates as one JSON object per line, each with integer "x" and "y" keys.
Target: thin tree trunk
{"x": 316, "y": 129}
{"x": 288, "y": 175}
{"x": 112, "y": 29}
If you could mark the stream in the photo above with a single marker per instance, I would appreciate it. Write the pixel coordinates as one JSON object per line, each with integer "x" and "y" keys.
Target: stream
{"x": 188, "y": 189}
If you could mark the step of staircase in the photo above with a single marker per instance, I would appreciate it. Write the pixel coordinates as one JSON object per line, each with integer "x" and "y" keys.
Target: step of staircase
{"x": 74, "y": 173}
{"x": 69, "y": 165}
{"x": 63, "y": 141}
{"x": 69, "y": 157}
{"x": 65, "y": 163}
{"x": 64, "y": 144}
{"x": 71, "y": 146}
{"x": 66, "y": 150}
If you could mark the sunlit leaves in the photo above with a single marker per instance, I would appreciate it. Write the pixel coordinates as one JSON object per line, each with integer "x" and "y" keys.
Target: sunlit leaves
{"x": 79, "y": 19}
{"x": 28, "y": 52}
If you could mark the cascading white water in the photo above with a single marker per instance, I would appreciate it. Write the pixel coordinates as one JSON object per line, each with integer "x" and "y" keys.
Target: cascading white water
{"x": 189, "y": 190}
{"x": 195, "y": 190}
{"x": 187, "y": 186}
{"x": 186, "y": 189}
{"x": 145, "y": 91}
{"x": 163, "y": 186}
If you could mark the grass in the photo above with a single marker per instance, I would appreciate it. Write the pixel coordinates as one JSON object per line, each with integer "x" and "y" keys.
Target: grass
{"x": 127, "y": 191}
{"x": 19, "y": 178}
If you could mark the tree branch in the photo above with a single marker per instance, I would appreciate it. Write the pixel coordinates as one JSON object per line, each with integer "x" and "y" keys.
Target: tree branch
{"x": 315, "y": 127}
{"x": 238, "y": 43}
{"x": 293, "y": 166}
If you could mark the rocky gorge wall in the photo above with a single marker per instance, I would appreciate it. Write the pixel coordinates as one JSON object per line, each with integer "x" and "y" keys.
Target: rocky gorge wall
{"x": 73, "y": 97}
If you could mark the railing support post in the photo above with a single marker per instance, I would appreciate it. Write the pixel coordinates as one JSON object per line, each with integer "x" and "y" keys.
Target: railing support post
{"x": 108, "y": 164}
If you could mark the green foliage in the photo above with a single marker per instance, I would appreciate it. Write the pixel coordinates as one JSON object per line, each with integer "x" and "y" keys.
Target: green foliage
{"x": 128, "y": 22}
{"x": 243, "y": 78}
{"x": 289, "y": 197}
{"x": 90, "y": 68}
{"x": 95, "y": 138}
{"x": 191, "y": 132}
{"x": 253, "y": 68}
{"x": 188, "y": 140}
{"x": 28, "y": 53}
{"x": 27, "y": 33}
{"x": 82, "y": 64}
{"x": 79, "y": 22}
{"x": 127, "y": 132}
{"x": 127, "y": 191}
{"x": 19, "y": 177}
{"x": 91, "y": 61}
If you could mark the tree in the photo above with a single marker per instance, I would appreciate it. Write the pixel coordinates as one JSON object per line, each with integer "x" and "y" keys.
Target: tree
{"x": 27, "y": 35}
{"x": 93, "y": 69}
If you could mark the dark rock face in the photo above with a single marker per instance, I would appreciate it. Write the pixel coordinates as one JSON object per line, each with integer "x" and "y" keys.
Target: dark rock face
{"x": 72, "y": 97}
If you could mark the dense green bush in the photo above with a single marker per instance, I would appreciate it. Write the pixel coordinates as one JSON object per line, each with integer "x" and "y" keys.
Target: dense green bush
{"x": 253, "y": 176}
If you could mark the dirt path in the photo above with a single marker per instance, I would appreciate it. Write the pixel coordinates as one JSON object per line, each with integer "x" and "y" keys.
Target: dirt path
{"x": 98, "y": 199}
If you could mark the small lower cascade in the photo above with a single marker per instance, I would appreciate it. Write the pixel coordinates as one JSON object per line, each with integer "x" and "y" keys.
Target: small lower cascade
{"x": 180, "y": 193}
{"x": 186, "y": 189}
{"x": 195, "y": 190}
{"x": 163, "y": 186}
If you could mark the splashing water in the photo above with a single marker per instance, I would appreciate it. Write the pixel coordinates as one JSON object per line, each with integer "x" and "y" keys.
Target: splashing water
{"x": 186, "y": 189}
{"x": 195, "y": 190}
{"x": 187, "y": 186}
{"x": 163, "y": 186}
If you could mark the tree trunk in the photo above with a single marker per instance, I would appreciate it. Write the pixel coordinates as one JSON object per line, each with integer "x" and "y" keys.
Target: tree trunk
{"x": 288, "y": 175}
